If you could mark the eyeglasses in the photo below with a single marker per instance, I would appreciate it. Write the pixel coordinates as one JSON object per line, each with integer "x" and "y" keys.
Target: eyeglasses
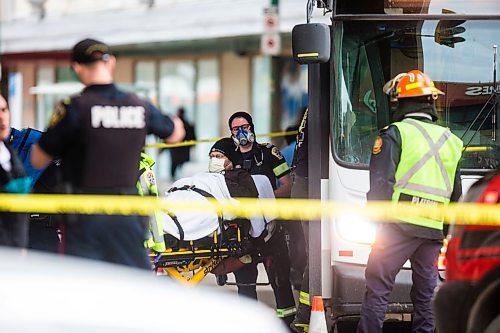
{"x": 244, "y": 127}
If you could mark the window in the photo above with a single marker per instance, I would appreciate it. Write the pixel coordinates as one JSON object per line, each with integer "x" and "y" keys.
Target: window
{"x": 193, "y": 85}
{"x": 369, "y": 53}
{"x": 261, "y": 95}
{"x": 206, "y": 118}
{"x": 44, "y": 102}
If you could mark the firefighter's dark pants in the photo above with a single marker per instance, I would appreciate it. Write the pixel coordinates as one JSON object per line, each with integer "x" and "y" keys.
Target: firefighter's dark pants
{"x": 304, "y": 307}
{"x": 277, "y": 265}
{"x": 111, "y": 238}
{"x": 389, "y": 253}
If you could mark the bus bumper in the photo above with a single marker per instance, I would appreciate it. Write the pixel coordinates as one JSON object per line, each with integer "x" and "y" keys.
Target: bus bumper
{"x": 349, "y": 289}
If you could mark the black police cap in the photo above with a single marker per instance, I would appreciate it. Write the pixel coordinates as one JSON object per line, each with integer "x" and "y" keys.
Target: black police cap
{"x": 89, "y": 50}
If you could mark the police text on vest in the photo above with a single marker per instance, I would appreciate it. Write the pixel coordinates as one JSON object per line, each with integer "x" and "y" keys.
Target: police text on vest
{"x": 423, "y": 201}
{"x": 108, "y": 116}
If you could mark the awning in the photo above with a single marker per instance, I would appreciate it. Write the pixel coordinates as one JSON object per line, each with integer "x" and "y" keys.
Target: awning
{"x": 124, "y": 28}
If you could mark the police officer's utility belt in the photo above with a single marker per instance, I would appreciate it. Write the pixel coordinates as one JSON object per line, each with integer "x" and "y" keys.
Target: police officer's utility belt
{"x": 45, "y": 220}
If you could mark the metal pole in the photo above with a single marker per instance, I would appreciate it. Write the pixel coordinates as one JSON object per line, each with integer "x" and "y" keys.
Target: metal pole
{"x": 318, "y": 122}
{"x": 314, "y": 176}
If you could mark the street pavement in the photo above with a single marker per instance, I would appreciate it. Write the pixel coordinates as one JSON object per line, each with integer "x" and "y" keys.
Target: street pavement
{"x": 265, "y": 294}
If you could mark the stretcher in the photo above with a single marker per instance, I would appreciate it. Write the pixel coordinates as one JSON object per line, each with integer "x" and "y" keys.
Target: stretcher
{"x": 190, "y": 261}
{"x": 197, "y": 245}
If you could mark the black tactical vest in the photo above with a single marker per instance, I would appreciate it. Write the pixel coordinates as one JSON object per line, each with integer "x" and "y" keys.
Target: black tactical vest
{"x": 113, "y": 134}
{"x": 258, "y": 162}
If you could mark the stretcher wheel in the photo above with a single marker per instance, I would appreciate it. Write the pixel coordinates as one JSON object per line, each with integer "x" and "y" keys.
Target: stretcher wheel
{"x": 221, "y": 279}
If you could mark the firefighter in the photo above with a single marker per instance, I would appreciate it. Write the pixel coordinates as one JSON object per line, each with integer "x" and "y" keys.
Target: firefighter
{"x": 265, "y": 159}
{"x": 413, "y": 160}
{"x": 99, "y": 134}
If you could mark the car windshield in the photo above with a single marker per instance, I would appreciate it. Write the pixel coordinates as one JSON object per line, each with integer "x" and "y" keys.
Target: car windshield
{"x": 369, "y": 53}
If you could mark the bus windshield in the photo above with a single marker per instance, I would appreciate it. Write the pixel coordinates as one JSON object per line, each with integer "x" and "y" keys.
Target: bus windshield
{"x": 463, "y": 7}
{"x": 368, "y": 53}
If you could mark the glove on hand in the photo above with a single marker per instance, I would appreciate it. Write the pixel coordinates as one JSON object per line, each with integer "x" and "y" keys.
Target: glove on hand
{"x": 19, "y": 185}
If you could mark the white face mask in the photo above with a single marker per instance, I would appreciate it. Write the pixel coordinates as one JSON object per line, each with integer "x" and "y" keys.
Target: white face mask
{"x": 216, "y": 164}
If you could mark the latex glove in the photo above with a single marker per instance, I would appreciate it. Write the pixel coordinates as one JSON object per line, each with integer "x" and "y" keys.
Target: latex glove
{"x": 19, "y": 185}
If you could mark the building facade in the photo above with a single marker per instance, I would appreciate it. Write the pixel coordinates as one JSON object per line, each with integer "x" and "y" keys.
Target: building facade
{"x": 202, "y": 55}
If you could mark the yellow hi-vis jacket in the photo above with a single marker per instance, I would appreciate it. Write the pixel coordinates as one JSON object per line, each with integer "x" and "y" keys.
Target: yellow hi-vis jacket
{"x": 146, "y": 185}
{"x": 426, "y": 170}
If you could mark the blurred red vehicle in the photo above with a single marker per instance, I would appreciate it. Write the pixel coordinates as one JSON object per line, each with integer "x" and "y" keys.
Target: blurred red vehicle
{"x": 469, "y": 300}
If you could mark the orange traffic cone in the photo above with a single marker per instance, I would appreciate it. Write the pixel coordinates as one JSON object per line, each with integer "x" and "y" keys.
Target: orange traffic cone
{"x": 317, "y": 323}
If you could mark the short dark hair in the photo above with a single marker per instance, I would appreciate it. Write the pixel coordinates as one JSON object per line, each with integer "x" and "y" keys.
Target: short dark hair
{"x": 242, "y": 114}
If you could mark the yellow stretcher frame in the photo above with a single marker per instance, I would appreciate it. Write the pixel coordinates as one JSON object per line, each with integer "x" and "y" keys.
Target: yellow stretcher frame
{"x": 194, "y": 263}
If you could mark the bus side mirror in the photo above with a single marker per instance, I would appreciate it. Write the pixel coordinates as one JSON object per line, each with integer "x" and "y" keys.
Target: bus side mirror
{"x": 311, "y": 43}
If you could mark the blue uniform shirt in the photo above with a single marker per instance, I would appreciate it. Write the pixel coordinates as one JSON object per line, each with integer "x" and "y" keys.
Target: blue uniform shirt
{"x": 21, "y": 141}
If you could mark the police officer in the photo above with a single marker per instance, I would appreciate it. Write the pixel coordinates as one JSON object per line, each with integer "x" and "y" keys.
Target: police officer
{"x": 265, "y": 159}
{"x": 146, "y": 185}
{"x": 99, "y": 134}
{"x": 413, "y": 160}
{"x": 13, "y": 226}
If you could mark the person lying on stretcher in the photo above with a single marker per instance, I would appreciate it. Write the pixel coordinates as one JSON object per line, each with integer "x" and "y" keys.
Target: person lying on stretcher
{"x": 222, "y": 182}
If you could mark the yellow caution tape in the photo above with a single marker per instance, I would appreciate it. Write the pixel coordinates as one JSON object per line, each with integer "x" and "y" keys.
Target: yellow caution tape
{"x": 478, "y": 149}
{"x": 286, "y": 209}
{"x": 195, "y": 142}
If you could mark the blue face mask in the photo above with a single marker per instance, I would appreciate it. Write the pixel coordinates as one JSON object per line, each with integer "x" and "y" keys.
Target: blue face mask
{"x": 244, "y": 138}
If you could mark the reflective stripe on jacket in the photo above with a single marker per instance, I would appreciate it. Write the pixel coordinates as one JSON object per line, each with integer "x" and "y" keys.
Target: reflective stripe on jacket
{"x": 146, "y": 185}
{"x": 426, "y": 170}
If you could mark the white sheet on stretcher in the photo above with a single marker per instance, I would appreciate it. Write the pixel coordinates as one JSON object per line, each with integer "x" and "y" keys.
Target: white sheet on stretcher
{"x": 197, "y": 225}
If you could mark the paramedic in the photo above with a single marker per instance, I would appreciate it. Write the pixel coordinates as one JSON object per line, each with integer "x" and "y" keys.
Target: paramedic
{"x": 259, "y": 159}
{"x": 413, "y": 160}
{"x": 265, "y": 159}
{"x": 99, "y": 134}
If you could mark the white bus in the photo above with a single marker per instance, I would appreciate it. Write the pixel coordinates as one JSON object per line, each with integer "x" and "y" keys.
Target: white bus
{"x": 367, "y": 44}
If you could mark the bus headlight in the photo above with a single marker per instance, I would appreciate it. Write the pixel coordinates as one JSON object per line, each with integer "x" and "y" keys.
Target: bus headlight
{"x": 355, "y": 228}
